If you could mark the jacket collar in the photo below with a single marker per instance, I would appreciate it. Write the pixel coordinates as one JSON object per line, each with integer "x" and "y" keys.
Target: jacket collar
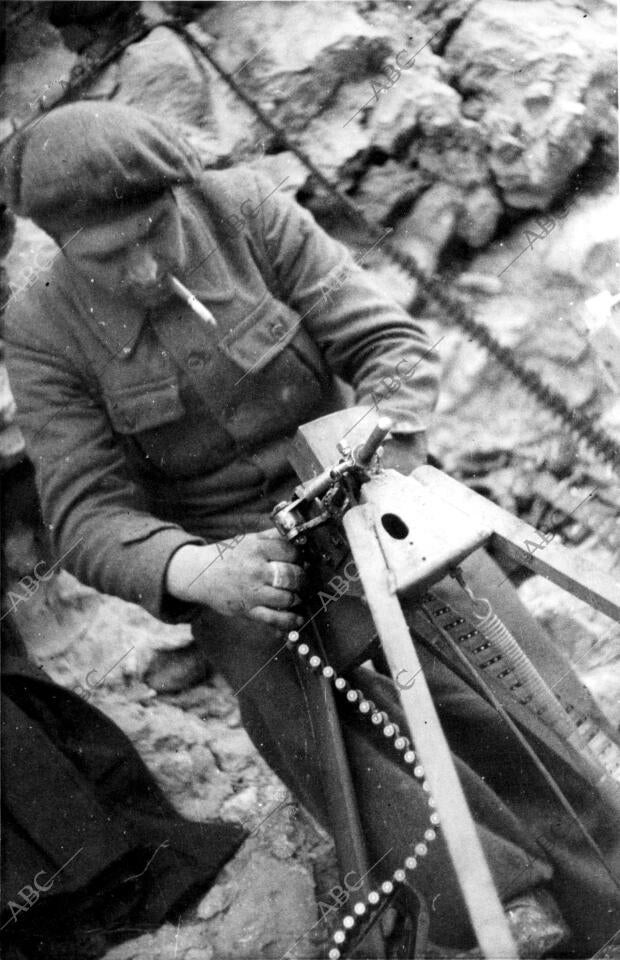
{"x": 117, "y": 321}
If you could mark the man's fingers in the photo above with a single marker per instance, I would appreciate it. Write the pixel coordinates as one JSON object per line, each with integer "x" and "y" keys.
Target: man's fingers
{"x": 285, "y": 576}
{"x": 275, "y": 547}
{"x": 279, "y": 599}
{"x": 276, "y": 618}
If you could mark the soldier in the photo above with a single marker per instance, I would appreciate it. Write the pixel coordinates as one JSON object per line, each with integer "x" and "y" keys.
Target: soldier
{"x": 159, "y": 441}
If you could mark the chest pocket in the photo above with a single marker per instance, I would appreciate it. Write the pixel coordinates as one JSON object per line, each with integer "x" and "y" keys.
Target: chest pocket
{"x": 274, "y": 372}
{"x": 150, "y": 417}
{"x": 145, "y": 407}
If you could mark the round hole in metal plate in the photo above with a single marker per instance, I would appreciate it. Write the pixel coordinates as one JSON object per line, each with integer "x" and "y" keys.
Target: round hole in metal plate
{"x": 393, "y": 525}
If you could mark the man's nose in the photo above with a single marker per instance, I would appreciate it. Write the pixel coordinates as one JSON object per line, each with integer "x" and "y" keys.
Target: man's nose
{"x": 141, "y": 268}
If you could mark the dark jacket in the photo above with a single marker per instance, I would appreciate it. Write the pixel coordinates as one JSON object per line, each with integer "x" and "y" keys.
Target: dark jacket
{"x": 149, "y": 430}
{"x": 84, "y": 821}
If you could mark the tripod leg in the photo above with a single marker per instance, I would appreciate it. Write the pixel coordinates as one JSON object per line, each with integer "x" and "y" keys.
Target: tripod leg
{"x": 339, "y": 794}
{"x": 486, "y": 912}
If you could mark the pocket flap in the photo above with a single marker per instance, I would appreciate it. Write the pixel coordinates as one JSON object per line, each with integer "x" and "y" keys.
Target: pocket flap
{"x": 145, "y": 407}
{"x": 261, "y": 336}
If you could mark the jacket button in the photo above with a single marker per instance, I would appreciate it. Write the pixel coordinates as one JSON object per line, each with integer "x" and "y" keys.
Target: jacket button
{"x": 196, "y": 360}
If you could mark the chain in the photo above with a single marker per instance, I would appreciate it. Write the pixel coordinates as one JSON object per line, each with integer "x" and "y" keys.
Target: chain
{"x": 82, "y": 74}
{"x": 433, "y": 287}
{"x": 377, "y": 898}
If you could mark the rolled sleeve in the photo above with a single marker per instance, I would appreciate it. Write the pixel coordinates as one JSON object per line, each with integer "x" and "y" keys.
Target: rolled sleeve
{"x": 366, "y": 338}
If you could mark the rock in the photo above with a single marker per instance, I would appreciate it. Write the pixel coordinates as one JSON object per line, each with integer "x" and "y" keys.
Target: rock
{"x": 243, "y": 806}
{"x": 446, "y": 13}
{"x": 234, "y": 720}
{"x": 198, "y": 953}
{"x": 308, "y": 56}
{"x": 591, "y": 640}
{"x": 386, "y": 190}
{"x": 82, "y": 617}
{"x": 36, "y": 63}
{"x": 217, "y": 900}
{"x": 214, "y": 699}
{"x": 603, "y": 685}
{"x": 454, "y": 152}
{"x": 282, "y": 847}
{"x": 479, "y": 283}
{"x": 160, "y": 75}
{"x": 183, "y": 942}
{"x": 201, "y": 761}
{"x": 490, "y": 114}
{"x": 31, "y": 253}
{"x": 425, "y": 231}
{"x": 174, "y": 745}
{"x": 528, "y": 77}
{"x": 538, "y": 313}
{"x": 585, "y": 244}
{"x": 418, "y": 101}
{"x": 328, "y": 145}
{"x": 7, "y": 403}
{"x": 232, "y": 747}
{"x": 572, "y": 624}
{"x": 273, "y": 909}
{"x": 44, "y": 635}
{"x": 478, "y": 217}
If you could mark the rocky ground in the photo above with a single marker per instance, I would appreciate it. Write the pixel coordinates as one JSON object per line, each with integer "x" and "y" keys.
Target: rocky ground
{"x": 506, "y": 113}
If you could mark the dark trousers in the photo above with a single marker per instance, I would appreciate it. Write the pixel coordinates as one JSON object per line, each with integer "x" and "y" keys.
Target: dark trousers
{"x": 524, "y": 832}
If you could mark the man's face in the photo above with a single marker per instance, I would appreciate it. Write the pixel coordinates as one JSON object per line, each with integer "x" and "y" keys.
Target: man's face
{"x": 133, "y": 255}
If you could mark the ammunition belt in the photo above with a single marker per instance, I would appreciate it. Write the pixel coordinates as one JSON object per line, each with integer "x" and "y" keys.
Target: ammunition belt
{"x": 492, "y": 650}
{"x": 476, "y": 645}
{"x": 355, "y": 925}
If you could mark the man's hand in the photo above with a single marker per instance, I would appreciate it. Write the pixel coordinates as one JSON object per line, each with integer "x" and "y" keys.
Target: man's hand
{"x": 405, "y": 452}
{"x": 257, "y": 577}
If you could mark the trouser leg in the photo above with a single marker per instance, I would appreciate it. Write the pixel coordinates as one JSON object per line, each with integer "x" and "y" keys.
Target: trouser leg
{"x": 393, "y": 807}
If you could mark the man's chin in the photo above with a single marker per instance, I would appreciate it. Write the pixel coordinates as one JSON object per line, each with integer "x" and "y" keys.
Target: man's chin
{"x": 151, "y": 296}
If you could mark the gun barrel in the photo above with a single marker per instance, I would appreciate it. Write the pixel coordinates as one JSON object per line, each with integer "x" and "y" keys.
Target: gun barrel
{"x": 319, "y": 485}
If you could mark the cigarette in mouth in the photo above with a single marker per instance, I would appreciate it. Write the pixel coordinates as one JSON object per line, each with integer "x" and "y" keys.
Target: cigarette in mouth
{"x": 193, "y": 302}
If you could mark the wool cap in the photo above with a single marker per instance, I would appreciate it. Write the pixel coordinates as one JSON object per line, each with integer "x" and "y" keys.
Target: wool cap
{"x": 83, "y": 163}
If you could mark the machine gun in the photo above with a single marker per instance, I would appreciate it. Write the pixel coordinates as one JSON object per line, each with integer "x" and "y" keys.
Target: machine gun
{"x": 392, "y": 537}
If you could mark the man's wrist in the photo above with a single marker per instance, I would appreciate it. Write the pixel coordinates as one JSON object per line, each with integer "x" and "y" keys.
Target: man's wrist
{"x": 405, "y": 452}
{"x": 187, "y": 569}
{"x": 407, "y": 430}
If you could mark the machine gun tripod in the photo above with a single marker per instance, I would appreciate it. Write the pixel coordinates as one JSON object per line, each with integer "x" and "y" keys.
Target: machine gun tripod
{"x": 404, "y": 535}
